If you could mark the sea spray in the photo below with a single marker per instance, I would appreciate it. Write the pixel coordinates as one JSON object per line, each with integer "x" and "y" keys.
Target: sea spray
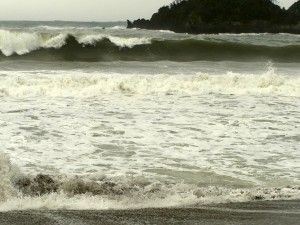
{"x": 6, "y": 173}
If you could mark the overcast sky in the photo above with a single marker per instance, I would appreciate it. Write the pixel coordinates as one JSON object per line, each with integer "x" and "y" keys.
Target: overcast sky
{"x": 84, "y": 10}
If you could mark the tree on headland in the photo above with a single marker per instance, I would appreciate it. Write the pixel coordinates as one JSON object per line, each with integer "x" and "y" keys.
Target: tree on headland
{"x": 215, "y": 16}
{"x": 178, "y": 1}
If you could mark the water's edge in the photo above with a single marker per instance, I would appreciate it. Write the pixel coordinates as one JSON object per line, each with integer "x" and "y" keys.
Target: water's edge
{"x": 275, "y": 212}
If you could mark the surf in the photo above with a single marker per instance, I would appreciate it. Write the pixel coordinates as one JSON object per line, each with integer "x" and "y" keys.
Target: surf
{"x": 19, "y": 191}
{"x": 82, "y": 84}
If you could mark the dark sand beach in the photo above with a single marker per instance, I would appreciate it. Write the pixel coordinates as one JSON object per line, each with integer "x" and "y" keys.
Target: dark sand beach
{"x": 265, "y": 212}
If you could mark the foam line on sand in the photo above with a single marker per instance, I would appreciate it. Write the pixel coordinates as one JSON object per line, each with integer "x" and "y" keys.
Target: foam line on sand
{"x": 264, "y": 212}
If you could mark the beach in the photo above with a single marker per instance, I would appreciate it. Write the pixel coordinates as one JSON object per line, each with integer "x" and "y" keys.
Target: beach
{"x": 255, "y": 213}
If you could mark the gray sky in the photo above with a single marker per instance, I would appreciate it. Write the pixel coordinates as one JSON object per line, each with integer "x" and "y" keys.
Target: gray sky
{"x": 84, "y": 10}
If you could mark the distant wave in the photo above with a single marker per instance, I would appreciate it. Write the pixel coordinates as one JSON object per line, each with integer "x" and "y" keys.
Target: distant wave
{"x": 167, "y": 31}
{"x": 116, "y": 28}
{"x": 81, "y": 85}
{"x": 101, "y": 47}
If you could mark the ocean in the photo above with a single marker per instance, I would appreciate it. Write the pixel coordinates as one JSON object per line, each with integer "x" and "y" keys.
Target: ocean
{"x": 94, "y": 116}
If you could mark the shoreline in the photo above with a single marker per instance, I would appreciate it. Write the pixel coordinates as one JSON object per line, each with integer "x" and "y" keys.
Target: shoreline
{"x": 220, "y": 29}
{"x": 249, "y": 213}
{"x": 227, "y": 16}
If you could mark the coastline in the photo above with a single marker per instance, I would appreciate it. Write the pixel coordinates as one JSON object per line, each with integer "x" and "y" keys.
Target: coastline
{"x": 249, "y": 213}
{"x": 227, "y": 16}
{"x": 218, "y": 28}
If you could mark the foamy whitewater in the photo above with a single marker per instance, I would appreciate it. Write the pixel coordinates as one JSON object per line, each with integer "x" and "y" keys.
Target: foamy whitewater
{"x": 96, "y": 116}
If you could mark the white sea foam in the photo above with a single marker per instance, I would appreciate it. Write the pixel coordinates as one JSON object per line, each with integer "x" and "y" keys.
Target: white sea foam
{"x": 181, "y": 142}
{"x": 168, "y": 198}
{"x": 80, "y": 84}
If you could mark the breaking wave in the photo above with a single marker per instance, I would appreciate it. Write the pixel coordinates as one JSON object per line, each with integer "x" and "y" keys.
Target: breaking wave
{"x": 23, "y": 192}
{"x": 101, "y": 47}
{"x": 14, "y": 43}
{"x": 80, "y": 84}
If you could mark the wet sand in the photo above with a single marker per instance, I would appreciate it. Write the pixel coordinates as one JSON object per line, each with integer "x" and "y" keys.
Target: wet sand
{"x": 266, "y": 213}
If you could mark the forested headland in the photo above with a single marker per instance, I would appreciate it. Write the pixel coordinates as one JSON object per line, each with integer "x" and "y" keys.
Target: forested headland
{"x": 223, "y": 16}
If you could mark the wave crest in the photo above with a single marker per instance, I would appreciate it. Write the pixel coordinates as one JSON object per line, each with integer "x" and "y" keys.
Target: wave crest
{"x": 20, "y": 191}
{"x": 103, "y": 47}
{"x": 22, "y": 43}
{"x": 118, "y": 41}
{"x": 125, "y": 192}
